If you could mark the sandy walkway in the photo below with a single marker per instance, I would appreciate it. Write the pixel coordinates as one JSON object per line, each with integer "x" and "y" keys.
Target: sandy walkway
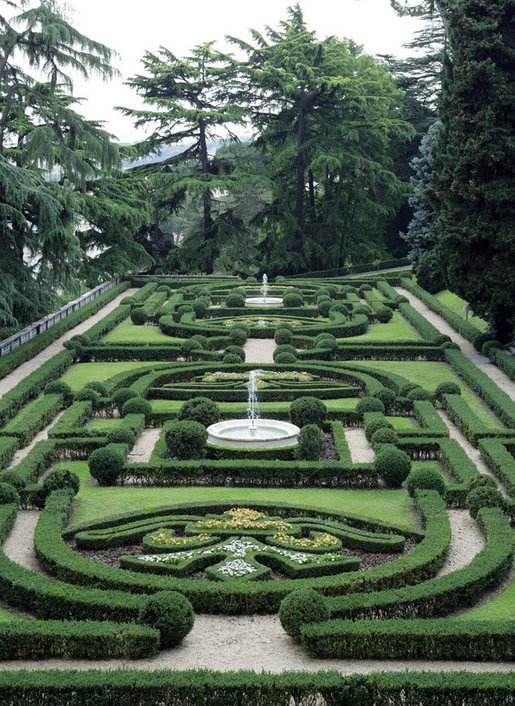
{"x": 259, "y": 350}
{"x": 19, "y": 545}
{"x": 466, "y": 541}
{"x": 25, "y": 369}
{"x": 466, "y": 346}
{"x": 144, "y": 446}
{"x": 360, "y": 450}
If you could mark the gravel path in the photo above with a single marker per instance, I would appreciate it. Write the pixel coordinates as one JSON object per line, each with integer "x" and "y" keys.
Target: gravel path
{"x": 360, "y": 450}
{"x": 41, "y": 436}
{"x": 144, "y": 446}
{"x": 25, "y": 369}
{"x": 466, "y": 541}
{"x": 466, "y": 346}
{"x": 19, "y": 545}
{"x": 259, "y": 350}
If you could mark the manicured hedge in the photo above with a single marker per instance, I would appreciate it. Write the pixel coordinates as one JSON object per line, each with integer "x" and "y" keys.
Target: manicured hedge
{"x": 422, "y": 325}
{"x": 32, "y": 420}
{"x": 72, "y": 421}
{"x": 468, "y": 422}
{"x": 109, "y": 322}
{"x": 500, "y": 461}
{"x": 411, "y": 639}
{"x": 8, "y": 447}
{"x": 505, "y": 361}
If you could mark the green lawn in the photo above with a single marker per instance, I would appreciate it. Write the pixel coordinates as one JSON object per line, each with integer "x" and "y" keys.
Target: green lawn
{"x": 127, "y": 332}
{"x": 455, "y": 303}
{"x": 6, "y": 616}
{"x": 397, "y": 329}
{"x": 499, "y": 608}
{"x": 401, "y": 422}
{"x": 239, "y": 409}
{"x": 104, "y": 425}
{"x": 429, "y": 375}
{"x": 78, "y": 375}
{"x": 388, "y": 505}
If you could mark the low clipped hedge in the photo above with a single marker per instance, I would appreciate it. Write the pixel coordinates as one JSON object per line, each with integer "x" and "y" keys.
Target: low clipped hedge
{"x": 500, "y": 461}
{"x": 8, "y": 447}
{"x": 32, "y": 420}
{"x": 421, "y": 324}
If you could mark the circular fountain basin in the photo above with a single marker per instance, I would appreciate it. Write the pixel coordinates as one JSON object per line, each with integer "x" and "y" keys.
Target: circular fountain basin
{"x": 263, "y": 301}
{"x": 267, "y": 434}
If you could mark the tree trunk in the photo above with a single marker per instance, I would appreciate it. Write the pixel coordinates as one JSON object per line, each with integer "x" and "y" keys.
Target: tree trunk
{"x": 299, "y": 188}
{"x": 208, "y": 226}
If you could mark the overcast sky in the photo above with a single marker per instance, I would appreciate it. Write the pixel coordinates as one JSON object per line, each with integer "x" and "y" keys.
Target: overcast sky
{"x": 133, "y": 26}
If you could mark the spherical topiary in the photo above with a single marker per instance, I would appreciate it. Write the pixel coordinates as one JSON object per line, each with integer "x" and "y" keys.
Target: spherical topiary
{"x": 251, "y": 280}
{"x": 282, "y": 336}
{"x": 121, "y": 395}
{"x": 401, "y": 299}
{"x": 61, "y": 478}
{"x": 235, "y": 301}
{"x": 106, "y": 464}
{"x": 419, "y": 393}
{"x": 121, "y": 435}
{"x": 374, "y": 424}
{"x": 324, "y": 336}
{"x": 361, "y": 309}
{"x": 311, "y": 446}
{"x": 238, "y": 336}
{"x": 383, "y": 314}
{"x": 490, "y": 346}
{"x": 98, "y": 387}
{"x": 427, "y": 478}
{"x": 138, "y": 316}
{"x": 484, "y": 496}
{"x": 328, "y": 344}
{"x": 446, "y": 388}
{"x": 169, "y": 612}
{"x": 186, "y": 439}
{"x": 203, "y": 341}
{"x": 200, "y": 409}
{"x": 450, "y": 346}
{"x": 403, "y": 391}
{"x": 137, "y": 405}
{"x": 235, "y": 350}
{"x": 8, "y": 494}
{"x": 199, "y": 307}
{"x": 322, "y": 292}
{"x": 280, "y": 279}
{"x": 480, "y": 339}
{"x": 369, "y": 404}
{"x": 323, "y": 308}
{"x": 128, "y": 300}
{"x": 292, "y": 300}
{"x": 301, "y": 607}
{"x": 57, "y": 387}
{"x": 284, "y": 348}
{"x": 384, "y": 436}
{"x": 185, "y": 309}
{"x": 482, "y": 480}
{"x": 308, "y": 410}
{"x": 386, "y": 396}
{"x": 87, "y": 394}
{"x": 231, "y": 359}
{"x": 188, "y": 348}
{"x": 164, "y": 288}
{"x": 364, "y": 288}
{"x": 349, "y": 289}
{"x": 340, "y": 307}
{"x": 285, "y": 358}
{"x": 393, "y": 465}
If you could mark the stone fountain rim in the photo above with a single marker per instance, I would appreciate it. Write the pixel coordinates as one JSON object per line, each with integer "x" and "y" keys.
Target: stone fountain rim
{"x": 290, "y": 437}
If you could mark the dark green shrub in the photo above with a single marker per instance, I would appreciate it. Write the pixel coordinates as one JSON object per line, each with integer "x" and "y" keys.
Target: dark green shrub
{"x": 446, "y": 388}
{"x": 407, "y": 387}
{"x": 164, "y": 288}
{"x": 383, "y": 314}
{"x": 401, "y": 299}
{"x": 342, "y": 308}
{"x": 282, "y": 336}
{"x": 200, "y": 409}
{"x": 322, "y": 292}
{"x": 120, "y": 396}
{"x": 235, "y": 350}
{"x": 171, "y": 613}
{"x": 121, "y": 435}
{"x": 280, "y": 279}
{"x": 285, "y": 358}
{"x": 393, "y": 465}
{"x": 238, "y": 335}
{"x": 429, "y": 272}
{"x": 202, "y": 340}
{"x": 106, "y": 464}
{"x": 322, "y": 336}
{"x": 186, "y": 439}
{"x": 8, "y": 494}
{"x": 199, "y": 307}
{"x": 308, "y": 410}
{"x": 251, "y": 280}
{"x": 364, "y": 288}
{"x": 419, "y": 394}
{"x": 484, "y": 496}
{"x": 98, "y": 387}
{"x": 292, "y": 300}
{"x": 481, "y": 339}
{"x": 369, "y": 404}
{"x": 488, "y": 346}
{"x": 138, "y": 316}
{"x": 231, "y": 359}
{"x": 128, "y": 300}
{"x": 374, "y": 424}
{"x": 482, "y": 480}
{"x": 427, "y": 478}
{"x": 61, "y": 478}
{"x": 324, "y": 307}
{"x": 300, "y": 607}
{"x": 386, "y": 396}
{"x": 87, "y": 394}
{"x": 235, "y": 301}
{"x": 137, "y": 405}
{"x": 350, "y": 289}
{"x": 384, "y": 436}
{"x": 285, "y": 348}
{"x": 450, "y": 346}
{"x": 311, "y": 446}
{"x": 185, "y": 309}
{"x": 288, "y": 325}
{"x": 188, "y": 348}
{"x": 58, "y": 387}
{"x": 328, "y": 344}
{"x": 362, "y": 309}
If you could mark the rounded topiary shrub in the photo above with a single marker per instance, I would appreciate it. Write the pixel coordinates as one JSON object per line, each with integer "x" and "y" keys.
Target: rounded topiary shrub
{"x": 369, "y": 404}
{"x": 446, "y": 388}
{"x": 489, "y": 347}
{"x": 374, "y": 424}
{"x": 450, "y": 346}
{"x": 235, "y": 350}
{"x": 203, "y": 341}
{"x": 393, "y": 465}
{"x": 235, "y": 301}
{"x": 8, "y": 494}
{"x": 349, "y": 289}
{"x": 106, "y": 465}
{"x": 484, "y": 496}
{"x": 328, "y": 344}
{"x": 120, "y": 396}
{"x": 231, "y": 359}
{"x": 323, "y": 298}
{"x": 419, "y": 393}
{"x": 342, "y": 308}
{"x": 200, "y": 409}
{"x": 383, "y": 314}
{"x": 169, "y": 612}
{"x": 251, "y": 280}
{"x": 362, "y": 309}
{"x": 58, "y": 387}
{"x": 285, "y": 358}
{"x": 121, "y": 435}
{"x": 87, "y": 394}
{"x": 137, "y": 405}
{"x": 364, "y": 288}
{"x": 481, "y": 339}
{"x": 186, "y": 439}
{"x": 427, "y": 478}
{"x": 403, "y": 391}
{"x": 384, "y": 436}
{"x": 184, "y": 309}
{"x": 61, "y": 478}
{"x": 324, "y": 336}
{"x": 284, "y": 348}
{"x": 283, "y": 336}
{"x": 128, "y": 300}
{"x": 238, "y": 336}
{"x": 200, "y": 308}
{"x": 292, "y": 300}
{"x": 324, "y": 307}
{"x": 280, "y": 279}
{"x": 482, "y": 480}
{"x": 98, "y": 387}
{"x": 301, "y": 607}
{"x": 386, "y": 396}
{"x": 308, "y": 410}
{"x": 322, "y": 292}
{"x": 138, "y": 316}
{"x": 189, "y": 347}
{"x": 164, "y": 288}
{"x": 311, "y": 446}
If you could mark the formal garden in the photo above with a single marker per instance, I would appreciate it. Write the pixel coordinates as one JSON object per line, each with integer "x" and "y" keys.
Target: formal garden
{"x": 366, "y": 556}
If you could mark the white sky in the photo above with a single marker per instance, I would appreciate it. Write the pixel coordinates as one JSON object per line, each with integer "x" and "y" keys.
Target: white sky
{"x": 133, "y": 26}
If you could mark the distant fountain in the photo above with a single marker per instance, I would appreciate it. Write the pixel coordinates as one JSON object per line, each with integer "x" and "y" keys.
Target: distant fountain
{"x": 264, "y": 299}
{"x": 253, "y": 432}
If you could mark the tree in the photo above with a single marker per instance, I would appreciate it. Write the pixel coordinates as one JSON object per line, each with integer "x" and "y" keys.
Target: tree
{"x": 190, "y": 101}
{"x": 474, "y": 165}
{"x": 325, "y": 114}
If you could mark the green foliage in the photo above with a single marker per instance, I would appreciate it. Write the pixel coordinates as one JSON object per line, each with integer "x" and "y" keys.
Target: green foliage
{"x": 369, "y": 404}
{"x": 311, "y": 446}
{"x": 446, "y": 388}
{"x": 235, "y": 350}
{"x": 302, "y": 607}
{"x": 199, "y": 307}
{"x": 106, "y": 465}
{"x": 393, "y": 465}
{"x": 429, "y": 272}
{"x": 482, "y": 480}
{"x": 285, "y": 348}
{"x": 235, "y": 301}
{"x": 384, "y": 435}
{"x": 324, "y": 307}
{"x": 292, "y": 300}
{"x": 282, "y": 336}
{"x": 8, "y": 494}
{"x": 203, "y": 340}
{"x": 139, "y": 316}
{"x": 186, "y": 439}
{"x": 61, "y": 478}
{"x": 374, "y": 424}
{"x": 238, "y": 336}
{"x": 231, "y": 359}
{"x": 285, "y": 358}
{"x": 427, "y": 478}
{"x": 122, "y": 395}
{"x": 483, "y": 496}
{"x": 98, "y": 387}
{"x": 308, "y": 410}
{"x": 418, "y": 393}
{"x": 171, "y": 613}
{"x": 200, "y": 409}
{"x": 137, "y": 405}
{"x": 121, "y": 435}
{"x": 57, "y": 387}
{"x": 386, "y": 396}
